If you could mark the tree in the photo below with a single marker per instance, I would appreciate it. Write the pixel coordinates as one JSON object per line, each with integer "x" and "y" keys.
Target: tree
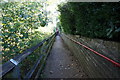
{"x": 95, "y": 20}
{"x": 19, "y": 22}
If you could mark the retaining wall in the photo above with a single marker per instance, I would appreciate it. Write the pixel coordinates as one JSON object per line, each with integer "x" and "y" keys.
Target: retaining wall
{"x": 94, "y": 65}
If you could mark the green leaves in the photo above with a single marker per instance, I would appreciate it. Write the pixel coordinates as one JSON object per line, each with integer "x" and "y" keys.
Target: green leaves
{"x": 25, "y": 35}
{"x": 12, "y": 30}
{"x": 91, "y": 19}
{"x": 43, "y": 23}
{"x": 19, "y": 21}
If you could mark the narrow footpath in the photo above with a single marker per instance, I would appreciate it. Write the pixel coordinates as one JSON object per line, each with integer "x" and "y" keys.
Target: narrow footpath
{"x": 61, "y": 63}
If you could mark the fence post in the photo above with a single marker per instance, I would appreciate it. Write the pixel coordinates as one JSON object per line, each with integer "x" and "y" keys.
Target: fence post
{"x": 16, "y": 72}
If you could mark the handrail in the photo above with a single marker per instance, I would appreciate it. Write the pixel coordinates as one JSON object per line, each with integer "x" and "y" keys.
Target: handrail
{"x": 108, "y": 59}
{"x": 9, "y": 65}
{"x": 42, "y": 56}
{"x": 29, "y": 74}
{"x": 45, "y": 58}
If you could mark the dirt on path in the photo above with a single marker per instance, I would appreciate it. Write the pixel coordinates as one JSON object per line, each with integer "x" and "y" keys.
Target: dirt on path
{"x": 61, "y": 63}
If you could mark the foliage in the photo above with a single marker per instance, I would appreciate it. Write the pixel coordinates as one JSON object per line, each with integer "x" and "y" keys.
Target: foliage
{"x": 95, "y": 20}
{"x": 19, "y": 22}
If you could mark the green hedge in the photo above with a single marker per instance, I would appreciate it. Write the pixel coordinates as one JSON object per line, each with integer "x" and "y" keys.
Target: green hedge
{"x": 95, "y": 20}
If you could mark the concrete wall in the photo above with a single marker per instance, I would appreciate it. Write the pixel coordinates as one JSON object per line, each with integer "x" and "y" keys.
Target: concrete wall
{"x": 93, "y": 65}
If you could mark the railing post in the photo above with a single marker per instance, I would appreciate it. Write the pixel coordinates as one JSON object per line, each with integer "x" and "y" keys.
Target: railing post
{"x": 16, "y": 72}
{"x": 12, "y": 64}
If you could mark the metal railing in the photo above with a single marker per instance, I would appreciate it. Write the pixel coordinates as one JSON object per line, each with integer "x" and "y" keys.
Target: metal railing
{"x": 13, "y": 64}
{"x": 93, "y": 63}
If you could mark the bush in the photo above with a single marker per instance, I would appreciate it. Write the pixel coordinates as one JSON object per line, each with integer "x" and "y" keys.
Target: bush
{"x": 94, "y": 20}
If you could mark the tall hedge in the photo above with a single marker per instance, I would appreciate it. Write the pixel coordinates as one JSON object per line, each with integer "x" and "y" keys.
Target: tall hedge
{"x": 95, "y": 20}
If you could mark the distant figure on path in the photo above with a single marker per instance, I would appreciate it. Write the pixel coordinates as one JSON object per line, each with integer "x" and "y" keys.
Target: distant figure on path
{"x": 57, "y": 31}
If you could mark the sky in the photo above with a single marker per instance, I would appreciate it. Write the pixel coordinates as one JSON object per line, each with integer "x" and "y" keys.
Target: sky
{"x": 52, "y": 8}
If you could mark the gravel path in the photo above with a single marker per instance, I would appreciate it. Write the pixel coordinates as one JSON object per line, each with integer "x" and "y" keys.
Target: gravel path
{"x": 61, "y": 63}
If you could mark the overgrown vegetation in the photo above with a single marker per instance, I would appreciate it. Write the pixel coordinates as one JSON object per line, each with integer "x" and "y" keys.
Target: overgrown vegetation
{"x": 94, "y": 20}
{"x": 19, "y": 24}
{"x": 19, "y": 31}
